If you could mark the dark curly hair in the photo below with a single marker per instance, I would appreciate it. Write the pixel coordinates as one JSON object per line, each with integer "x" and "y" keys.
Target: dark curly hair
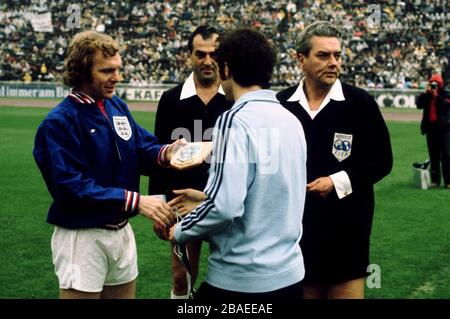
{"x": 249, "y": 56}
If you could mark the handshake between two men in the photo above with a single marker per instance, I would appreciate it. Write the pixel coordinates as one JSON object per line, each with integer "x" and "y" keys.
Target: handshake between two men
{"x": 186, "y": 201}
{"x": 166, "y": 214}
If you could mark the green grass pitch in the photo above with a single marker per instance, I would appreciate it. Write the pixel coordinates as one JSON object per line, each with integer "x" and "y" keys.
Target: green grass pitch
{"x": 410, "y": 236}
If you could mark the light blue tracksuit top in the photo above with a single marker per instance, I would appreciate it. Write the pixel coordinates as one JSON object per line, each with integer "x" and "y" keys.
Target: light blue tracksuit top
{"x": 255, "y": 198}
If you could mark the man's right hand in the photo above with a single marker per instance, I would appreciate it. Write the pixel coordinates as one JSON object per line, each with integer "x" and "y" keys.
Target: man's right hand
{"x": 431, "y": 91}
{"x": 157, "y": 210}
{"x": 187, "y": 200}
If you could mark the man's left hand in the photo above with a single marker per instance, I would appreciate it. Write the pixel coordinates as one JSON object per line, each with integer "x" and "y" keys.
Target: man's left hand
{"x": 173, "y": 148}
{"x": 321, "y": 186}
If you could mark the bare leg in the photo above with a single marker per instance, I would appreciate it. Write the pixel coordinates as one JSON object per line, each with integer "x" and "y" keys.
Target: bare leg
{"x": 124, "y": 291}
{"x": 352, "y": 289}
{"x": 179, "y": 271}
{"x": 315, "y": 292}
{"x": 76, "y": 294}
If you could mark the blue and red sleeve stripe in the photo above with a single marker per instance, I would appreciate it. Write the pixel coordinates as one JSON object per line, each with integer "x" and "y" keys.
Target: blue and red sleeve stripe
{"x": 162, "y": 160}
{"x": 131, "y": 201}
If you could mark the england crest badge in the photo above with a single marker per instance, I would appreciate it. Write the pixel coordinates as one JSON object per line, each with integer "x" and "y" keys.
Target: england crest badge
{"x": 342, "y": 146}
{"x": 122, "y": 127}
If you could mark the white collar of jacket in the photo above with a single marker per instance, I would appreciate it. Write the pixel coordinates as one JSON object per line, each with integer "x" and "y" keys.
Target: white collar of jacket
{"x": 265, "y": 95}
{"x": 335, "y": 93}
{"x": 189, "y": 88}
{"x": 80, "y": 97}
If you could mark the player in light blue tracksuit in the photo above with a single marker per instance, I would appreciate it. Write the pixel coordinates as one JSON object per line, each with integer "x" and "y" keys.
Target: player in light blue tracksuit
{"x": 253, "y": 202}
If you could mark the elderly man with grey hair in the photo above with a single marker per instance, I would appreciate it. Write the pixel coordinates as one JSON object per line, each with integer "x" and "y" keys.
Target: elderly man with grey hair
{"x": 349, "y": 151}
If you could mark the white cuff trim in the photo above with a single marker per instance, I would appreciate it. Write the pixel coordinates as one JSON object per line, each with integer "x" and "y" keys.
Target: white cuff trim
{"x": 342, "y": 184}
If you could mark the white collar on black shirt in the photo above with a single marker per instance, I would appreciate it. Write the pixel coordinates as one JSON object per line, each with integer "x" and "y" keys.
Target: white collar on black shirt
{"x": 335, "y": 93}
{"x": 189, "y": 88}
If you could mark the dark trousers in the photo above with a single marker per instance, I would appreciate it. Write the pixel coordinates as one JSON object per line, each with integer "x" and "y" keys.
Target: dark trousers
{"x": 207, "y": 292}
{"x": 435, "y": 143}
{"x": 446, "y": 157}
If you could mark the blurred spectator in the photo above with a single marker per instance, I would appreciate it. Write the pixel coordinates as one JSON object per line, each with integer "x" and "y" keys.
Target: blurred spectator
{"x": 411, "y": 41}
{"x": 27, "y": 78}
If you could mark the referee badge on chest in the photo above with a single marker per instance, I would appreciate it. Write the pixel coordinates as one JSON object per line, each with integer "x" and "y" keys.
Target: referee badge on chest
{"x": 342, "y": 146}
{"x": 122, "y": 127}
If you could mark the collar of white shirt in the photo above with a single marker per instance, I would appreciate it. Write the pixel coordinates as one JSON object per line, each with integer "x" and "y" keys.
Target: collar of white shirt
{"x": 335, "y": 93}
{"x": 189, "y": 88}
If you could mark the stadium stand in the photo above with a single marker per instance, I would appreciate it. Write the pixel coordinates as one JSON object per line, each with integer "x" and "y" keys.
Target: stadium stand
{"x": 409, "y": 43}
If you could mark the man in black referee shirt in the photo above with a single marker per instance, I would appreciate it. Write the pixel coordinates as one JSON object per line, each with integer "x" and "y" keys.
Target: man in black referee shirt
{"x": 349, "y": 151}
{"x": 190, "y": 110}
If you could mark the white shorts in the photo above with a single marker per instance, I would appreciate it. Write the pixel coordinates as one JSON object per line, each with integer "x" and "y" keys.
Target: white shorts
{"x": 88, "y": 259}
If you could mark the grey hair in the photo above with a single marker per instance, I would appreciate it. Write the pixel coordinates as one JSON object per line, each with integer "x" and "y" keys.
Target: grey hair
{"x": 319, "y": 29}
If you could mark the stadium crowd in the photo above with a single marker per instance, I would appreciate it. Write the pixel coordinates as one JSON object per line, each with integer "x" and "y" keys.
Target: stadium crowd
{"x": 407, "y": 43}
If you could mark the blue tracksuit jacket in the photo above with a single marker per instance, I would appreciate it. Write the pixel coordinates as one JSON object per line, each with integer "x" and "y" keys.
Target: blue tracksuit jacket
{"x": 92, "y": 164}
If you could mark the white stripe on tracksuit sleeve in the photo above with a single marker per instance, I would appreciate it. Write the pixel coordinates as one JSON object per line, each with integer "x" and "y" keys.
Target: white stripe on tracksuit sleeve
{"x": 256, "y": 194}
{"x": 229, "y": 178}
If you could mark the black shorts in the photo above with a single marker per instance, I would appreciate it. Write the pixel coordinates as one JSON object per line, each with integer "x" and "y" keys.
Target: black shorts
{"x": 334, "y": 252}
{"x": 210, "y": 293}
